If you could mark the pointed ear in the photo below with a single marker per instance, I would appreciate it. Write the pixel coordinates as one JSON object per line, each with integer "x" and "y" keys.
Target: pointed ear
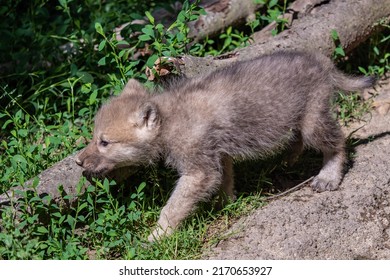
{"x": 133, "y": 87}
{"x": 148, "y": 116}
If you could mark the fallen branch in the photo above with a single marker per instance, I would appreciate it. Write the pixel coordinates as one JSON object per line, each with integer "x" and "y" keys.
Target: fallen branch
{"x": 295, "y": 188}
{"x": 221, "y": 14}
{"x": 354, "y": 22}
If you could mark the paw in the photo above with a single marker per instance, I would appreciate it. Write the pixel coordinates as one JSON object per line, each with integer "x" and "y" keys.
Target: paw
{"x": 159, "y": 233}
{"x": 320, "y": 184}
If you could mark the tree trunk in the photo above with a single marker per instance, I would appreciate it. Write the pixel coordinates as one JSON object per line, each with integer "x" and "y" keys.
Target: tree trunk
{"x": 354, "y": 21}
{"x": 221, "y": 14}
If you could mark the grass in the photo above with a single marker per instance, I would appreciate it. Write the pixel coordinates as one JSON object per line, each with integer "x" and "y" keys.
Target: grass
{"x": 65, "y": 62}
{"x": 350, "y": 107}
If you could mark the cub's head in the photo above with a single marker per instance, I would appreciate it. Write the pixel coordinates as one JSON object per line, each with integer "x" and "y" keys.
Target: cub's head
{"x": 125, "y": 134}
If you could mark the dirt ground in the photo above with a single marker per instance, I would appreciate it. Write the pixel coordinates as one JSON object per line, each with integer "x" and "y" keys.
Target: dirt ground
{"x": 351, "y": 223}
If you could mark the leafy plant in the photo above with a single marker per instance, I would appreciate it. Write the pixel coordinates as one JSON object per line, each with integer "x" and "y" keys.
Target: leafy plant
{"x": 350, "y": 107}
{"x": 160, "y": 42}
{"x": 338, "y": 51}
{"x": 379, "y": 56}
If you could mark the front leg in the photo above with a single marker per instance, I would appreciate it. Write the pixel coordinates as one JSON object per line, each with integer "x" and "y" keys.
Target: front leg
{"x": 190, "y": 189}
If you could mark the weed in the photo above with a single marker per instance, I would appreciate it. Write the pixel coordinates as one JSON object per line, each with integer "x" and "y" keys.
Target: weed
{"x": 378, "y": 54}
{"x": 350, "y": 107}
{"x": 273, "y": 14}
{"x": 338, "y": 51}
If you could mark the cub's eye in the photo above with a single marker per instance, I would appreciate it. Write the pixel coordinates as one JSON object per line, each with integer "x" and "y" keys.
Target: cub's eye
{"x": 103, "y": 143}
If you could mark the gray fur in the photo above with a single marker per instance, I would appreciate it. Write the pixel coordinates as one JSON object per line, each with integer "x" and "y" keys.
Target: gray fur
{"x": 248, "y": 110}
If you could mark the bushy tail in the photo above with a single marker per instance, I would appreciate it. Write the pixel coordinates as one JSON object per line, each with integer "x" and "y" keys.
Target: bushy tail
{"x": 350, "y": 83}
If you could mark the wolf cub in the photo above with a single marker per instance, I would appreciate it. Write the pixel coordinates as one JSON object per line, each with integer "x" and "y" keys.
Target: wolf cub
{"x": 250, "y": 109}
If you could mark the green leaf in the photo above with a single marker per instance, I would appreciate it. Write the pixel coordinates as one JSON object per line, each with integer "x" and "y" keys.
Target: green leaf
{"x": 339, "y": 51}
{"x": 85, "y": 77}
{"x": 180, "y": 37}
{"x": 42, "y": 229}
{"x": 181, "y": 17}
{"x": 82, "y": 206}
{"x": 148, "y": 30}
{"x": 123, "y": 53}
{"x": 83, "y": 111}
{"x": 144, "y": 37}
{"x": 102, "y": 45}
{"x": 334, "y": 34}
{"x": 22, "y": 132}
{"x": 158, "y": 46}
{"x": 99, "y": 28}
{"x": 141, "y": 187}
{"x": 92, "y": 97}
{"x": 63, "y": 3}
{"x": 70, "y": 220}
{"x": 227, "y": 42}
{"x": 57, "y": 214}
{"x": 123, "y": 43}
{"x": 61, "y": 220}
{"x": 150, "y": 17}
{"x": 85, "y": 88}
{"x": 6, "y": 124}
{"x": 136, "y": 16}
{"x": 152, "y": 59}
{"x": 19, "y": 159}
{"x": 272, "y": 3}
{"x": 34, "y": 199}
{"x": 32, "y": 219}
{"x": 112, "y": 233}
{"x": 102, "y": 61}
{"x": 376, "y": 50}
{"x": 160, "y": 28}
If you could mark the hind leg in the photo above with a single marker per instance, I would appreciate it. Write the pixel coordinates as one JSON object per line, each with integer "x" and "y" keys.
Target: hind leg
{"x": 226, "y": 192}
{"x": 331, "y": 173}
{"x": 296, "y": 149}
{"x": 323, "y": 133}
